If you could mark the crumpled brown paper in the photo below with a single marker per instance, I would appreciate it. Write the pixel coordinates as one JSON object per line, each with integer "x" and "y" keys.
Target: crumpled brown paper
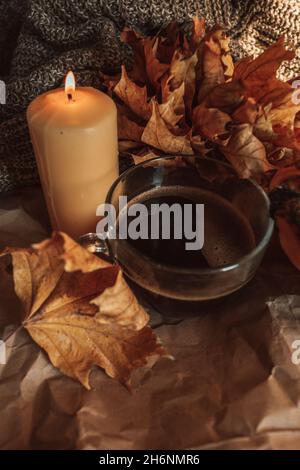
{"x": 232, "y": 384}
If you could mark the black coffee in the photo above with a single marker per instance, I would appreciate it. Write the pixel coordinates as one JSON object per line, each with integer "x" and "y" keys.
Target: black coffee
{"x": 228, "y": 236}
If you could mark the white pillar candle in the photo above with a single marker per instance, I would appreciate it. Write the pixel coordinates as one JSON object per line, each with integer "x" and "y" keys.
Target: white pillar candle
{"x": 74, "y": 136}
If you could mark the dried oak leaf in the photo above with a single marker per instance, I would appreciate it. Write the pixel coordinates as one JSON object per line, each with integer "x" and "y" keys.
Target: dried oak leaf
{"x": 134, "y": 96}
{"x": 245, "y": 152}
{"x": 158, "y": 135}
{"x": 80, "y": 310}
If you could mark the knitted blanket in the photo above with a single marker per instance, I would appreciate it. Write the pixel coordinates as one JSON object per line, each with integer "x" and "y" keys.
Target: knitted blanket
{"x": 41, "y": 39}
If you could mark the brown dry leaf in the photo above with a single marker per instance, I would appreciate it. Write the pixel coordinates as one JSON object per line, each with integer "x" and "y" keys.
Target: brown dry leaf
{"x": 247, "y": 112}
{"x": 144, "y": 156}
{"x": 155, "y": 69}
{"x": 138, "y": 73}
{"x": 289, "y": 236}
{"x": 198, "y": 32}
{"x": 227, "y": 97}
{"x": 158, "y": 135}
{"x": 284, "y": 109}
{"x": 210, "y": 122}
{"x": 259, "y": 75}
{"x": 132, "y": 95}
{"x": 199, "y": 145}
{"x": 128, "y": 129}
{"x": 215, "y": 62}
{"x": 183, "y": 70}
{"x": 263, "y": 128}
{"x": 246, "y": 153}
{"x": 168, "y": 43}
{"x": 172, "y": 109}
{"x": 80, "y": 310}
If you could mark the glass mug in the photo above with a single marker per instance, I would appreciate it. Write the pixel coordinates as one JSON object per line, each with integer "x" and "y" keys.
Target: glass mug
{"x": 187, "y": 284}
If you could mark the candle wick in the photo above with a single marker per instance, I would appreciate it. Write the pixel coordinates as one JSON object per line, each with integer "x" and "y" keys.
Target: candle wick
{"x": 70, "y": 96}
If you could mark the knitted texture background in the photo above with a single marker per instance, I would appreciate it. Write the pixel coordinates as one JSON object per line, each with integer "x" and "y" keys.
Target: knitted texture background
{"x": 41, "y": 39}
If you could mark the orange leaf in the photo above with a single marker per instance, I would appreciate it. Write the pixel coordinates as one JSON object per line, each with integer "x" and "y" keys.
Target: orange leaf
{"x": 284, "y": 174}
{"x": 290, "y": 240}
{"x": 259, "y": 75}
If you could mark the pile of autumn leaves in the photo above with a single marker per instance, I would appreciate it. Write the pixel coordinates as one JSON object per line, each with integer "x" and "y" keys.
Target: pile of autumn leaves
{"x": 185, "y": 95}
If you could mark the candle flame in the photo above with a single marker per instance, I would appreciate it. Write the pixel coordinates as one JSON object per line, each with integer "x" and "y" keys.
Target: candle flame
{"x": 70, "y": 84}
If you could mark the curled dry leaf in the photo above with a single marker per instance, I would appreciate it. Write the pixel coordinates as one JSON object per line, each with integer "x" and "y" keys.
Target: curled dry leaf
{"x": 80, "y": 310}
{"x": 246, "y": 153}
{"x": 158, "y": 135}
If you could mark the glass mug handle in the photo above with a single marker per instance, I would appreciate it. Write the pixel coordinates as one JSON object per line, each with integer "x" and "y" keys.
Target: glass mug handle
{"x": 95, "y": 245}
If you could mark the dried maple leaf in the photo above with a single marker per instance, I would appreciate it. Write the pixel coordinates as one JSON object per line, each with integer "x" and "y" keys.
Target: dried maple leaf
{"x": 128, "y": 129}
{"x": 262, "y": 127}
{"x": 134, "y": 96}
{"x": 215, "y": 62}
{"x": 259, "y": 75}
{"x": 198, "y": 32}
{"x": 172, "y": 109}
{"x": 227, "y": 97}
{"x": 283, "y": 110}
{"x": 183, "y": 70}
{"x": 158, "y": 135}
{"x": 210, "y": 122}
{"x": 81, "y": 311}
{"x": 138, "y": 72}
{"x": 245, "y": 152}
{"x": 155, "y": 69}
{"x": 247, "y": 112}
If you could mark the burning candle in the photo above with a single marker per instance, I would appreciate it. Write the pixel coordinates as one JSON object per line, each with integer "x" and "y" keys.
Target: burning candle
{"x": 74, "y": 136}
